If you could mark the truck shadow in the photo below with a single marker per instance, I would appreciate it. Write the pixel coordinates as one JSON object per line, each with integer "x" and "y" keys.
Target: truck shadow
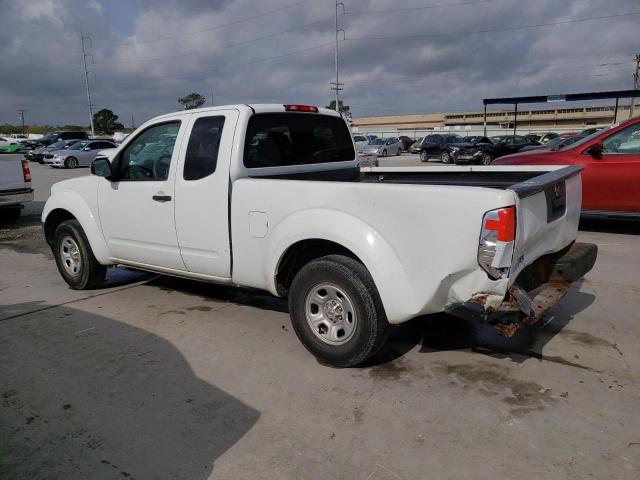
{"x": 592, "y": 223}
{"x": 85, "y": 396}
{"x": 443, "y": 332}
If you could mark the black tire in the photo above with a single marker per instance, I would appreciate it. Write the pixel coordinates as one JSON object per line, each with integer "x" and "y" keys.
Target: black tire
{"x": 371, "y": 328}
{"x": 398, "y": 151}
{"x": 10, "y": 214}
{"x": 71, "y": 162}
{"x": 90, "y": 273}
{"x": 445, "y": 157}
{"x": 423, "y": 156}
{"x": 384, "y": 152}
{"x": 486, "y": 159}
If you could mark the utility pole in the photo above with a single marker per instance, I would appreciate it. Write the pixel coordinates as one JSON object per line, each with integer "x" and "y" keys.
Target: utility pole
{"x": 133, "y": 124}
{"x": 337, "y": 86}
{"x": 212, "y": 98}
{"x": 636, "y": 83}
{"x": 86, "y": 77}
{"x": 21, "y": 113}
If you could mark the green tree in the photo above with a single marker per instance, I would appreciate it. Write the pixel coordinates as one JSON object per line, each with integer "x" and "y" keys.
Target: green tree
{"x": 345, "y": 110}
{"x": 106, "y": 122}
{"x": 193, "y": 100}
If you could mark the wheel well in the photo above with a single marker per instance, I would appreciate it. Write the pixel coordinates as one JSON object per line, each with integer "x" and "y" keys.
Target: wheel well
{"x": 55, "y": 218}
{"x": 301, "y": 253}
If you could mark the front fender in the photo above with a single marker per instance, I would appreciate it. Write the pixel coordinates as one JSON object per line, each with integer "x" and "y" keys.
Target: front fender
{"x": 357, "y": 236}
{"x": 76, "y": 205}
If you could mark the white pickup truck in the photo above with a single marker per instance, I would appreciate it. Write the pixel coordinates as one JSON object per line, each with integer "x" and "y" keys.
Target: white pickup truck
{"x": 270, "y": 197}
{"x": 15, "y": 185}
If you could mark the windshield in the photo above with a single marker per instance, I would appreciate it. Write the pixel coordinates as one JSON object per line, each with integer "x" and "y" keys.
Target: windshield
{"x": 377, "y": 141}
{"x": 585, "y": 139}
{"x": 78, "y": 146}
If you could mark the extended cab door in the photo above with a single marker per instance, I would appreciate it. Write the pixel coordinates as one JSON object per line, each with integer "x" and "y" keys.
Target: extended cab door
{"x": 137, "y": 208}
{"x": 202, "y": 193}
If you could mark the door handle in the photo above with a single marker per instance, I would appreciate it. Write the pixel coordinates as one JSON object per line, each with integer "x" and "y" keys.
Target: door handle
{"x": 162, "y": 198}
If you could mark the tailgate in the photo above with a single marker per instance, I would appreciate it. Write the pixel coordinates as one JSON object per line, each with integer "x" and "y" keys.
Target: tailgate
{"x": 11, "y": 177}
{"x": 548, "y": 213}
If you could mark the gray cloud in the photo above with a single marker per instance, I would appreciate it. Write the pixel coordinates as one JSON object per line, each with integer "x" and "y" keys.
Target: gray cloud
{"x": 40, "y": 50}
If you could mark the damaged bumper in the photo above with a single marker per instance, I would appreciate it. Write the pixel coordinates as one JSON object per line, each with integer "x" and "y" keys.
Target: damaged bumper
{"x": 538, "y": 288}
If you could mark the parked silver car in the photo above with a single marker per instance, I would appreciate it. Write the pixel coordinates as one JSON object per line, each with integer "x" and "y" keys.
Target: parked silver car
{"x": 383, "y": 147}
{"x": 80, "y": 154}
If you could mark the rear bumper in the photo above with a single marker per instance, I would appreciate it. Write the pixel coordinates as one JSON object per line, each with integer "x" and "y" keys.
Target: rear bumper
{"x": 550, "y": 275}
{"x": 15, "y": 197}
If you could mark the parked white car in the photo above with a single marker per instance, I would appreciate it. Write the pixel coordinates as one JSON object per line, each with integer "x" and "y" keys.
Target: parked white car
{"x": 361, "y": 141}
{"x": 80, "y": 154}
{"x": 270, "y": 197}
{"x": 383, "y": 147}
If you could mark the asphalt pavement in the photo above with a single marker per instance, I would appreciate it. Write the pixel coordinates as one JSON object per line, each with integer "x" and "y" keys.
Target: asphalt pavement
{"x": 156, "y": 377}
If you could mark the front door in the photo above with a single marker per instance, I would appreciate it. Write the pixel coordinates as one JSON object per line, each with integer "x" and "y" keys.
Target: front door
{"x": 611, "y": 181}
{"x": 137, "y": 210}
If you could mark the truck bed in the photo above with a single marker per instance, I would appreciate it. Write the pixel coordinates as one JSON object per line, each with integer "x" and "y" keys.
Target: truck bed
{"x": 525, "y": 180}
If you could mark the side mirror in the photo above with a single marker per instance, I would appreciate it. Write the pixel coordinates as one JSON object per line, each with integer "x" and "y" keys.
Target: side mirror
{"x": 596, "y": 149}
{"x": 101, "y": 167}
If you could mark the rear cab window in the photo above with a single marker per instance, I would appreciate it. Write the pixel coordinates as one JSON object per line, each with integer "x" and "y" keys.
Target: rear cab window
{"x": 289, "y": 139}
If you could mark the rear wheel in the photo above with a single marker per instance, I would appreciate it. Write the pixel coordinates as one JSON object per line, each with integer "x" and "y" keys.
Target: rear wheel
{"x": 486, "y": 159}
{"x": 445, "y": 157}
{"x": 71, "y": 162}
{"x": 74, "y": 257}
{"x": 423, "y": 156}
{"x": 336, "y": 311}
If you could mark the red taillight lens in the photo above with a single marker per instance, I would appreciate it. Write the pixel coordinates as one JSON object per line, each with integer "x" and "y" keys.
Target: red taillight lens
{"x": 495, "y": 248}
{"x": 301, "y": 108}
{"x": 504, "y": 225}
{"x": 26, "y": 173}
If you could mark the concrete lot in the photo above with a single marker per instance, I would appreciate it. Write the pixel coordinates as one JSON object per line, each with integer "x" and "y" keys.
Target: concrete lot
{"x": 153, "y": 377}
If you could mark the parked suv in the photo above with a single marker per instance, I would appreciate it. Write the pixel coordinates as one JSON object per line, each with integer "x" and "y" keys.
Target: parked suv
{"x": 441, "y": 147}
{"x": 53, "y": 137}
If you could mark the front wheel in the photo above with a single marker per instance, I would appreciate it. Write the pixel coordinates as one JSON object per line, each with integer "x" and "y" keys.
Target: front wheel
{"x": 423, "y": 156}
{"x": 74, "y": 257}
{"x": 71, "y": 162}
{"x": 336, "y": 311}
{"x": 445, "y": 157}
{"x": 398, "y": 151}
{"x": 384, "y": 153}
{"x": 486, "y": 159}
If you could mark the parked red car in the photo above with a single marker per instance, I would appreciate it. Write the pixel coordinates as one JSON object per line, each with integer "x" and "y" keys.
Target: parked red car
{"x": 611, "y": 160}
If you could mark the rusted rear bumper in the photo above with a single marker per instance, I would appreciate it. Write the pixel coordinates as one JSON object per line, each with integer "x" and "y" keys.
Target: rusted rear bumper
{"x": 538, "y": 288}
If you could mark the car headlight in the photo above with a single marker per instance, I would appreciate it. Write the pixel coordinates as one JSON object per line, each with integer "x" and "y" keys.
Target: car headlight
{"x": 455, "y": 149}
{"x": 57, "y": 157}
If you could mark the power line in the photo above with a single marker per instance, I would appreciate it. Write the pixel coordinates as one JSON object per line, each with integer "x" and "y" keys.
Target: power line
{"x": 424, "y": 7}
{"x": 236, "y": 65}
{"x": 219, "y": 49}
{"x": 209, "y": 29}
{"x": 497, "y": 29}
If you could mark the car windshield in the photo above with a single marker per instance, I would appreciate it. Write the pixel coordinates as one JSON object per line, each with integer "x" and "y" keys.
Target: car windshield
{"x": 586, "y": 139}
{"x": 377, "y": 141}
{"x": 78, "y": 146}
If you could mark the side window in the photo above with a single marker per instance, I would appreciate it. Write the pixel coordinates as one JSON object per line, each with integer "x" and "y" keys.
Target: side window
{"x": 148, "y": 156}
{"x": 202, "y": 151}
{"x": 284, "y": 139}
{"x": 96, "y": 146}
{"x": 624, "y": 141}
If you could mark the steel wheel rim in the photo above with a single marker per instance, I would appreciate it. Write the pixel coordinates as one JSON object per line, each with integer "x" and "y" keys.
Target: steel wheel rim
{"x": 330, "y": 314}
{"x": 71, "y": 163}
{"x": 70, "y": 256}
{"x": 445, "y": 157}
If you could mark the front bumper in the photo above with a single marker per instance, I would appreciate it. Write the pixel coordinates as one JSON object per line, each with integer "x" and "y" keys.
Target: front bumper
{"x": 15, "y": 197}
{"x": 550, "y": 276}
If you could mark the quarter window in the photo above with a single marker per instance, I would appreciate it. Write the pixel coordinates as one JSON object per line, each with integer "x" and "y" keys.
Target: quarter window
{"x": 148, "y": 157}
{"x": 284, "y": 139}
{"x": 202, "y": 151}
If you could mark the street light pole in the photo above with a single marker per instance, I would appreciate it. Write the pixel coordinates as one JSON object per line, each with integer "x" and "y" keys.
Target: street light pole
{"x": 86, "y": 79}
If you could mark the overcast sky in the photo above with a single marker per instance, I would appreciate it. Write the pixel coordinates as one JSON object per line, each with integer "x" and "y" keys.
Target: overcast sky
{"x": 449, "y": 57}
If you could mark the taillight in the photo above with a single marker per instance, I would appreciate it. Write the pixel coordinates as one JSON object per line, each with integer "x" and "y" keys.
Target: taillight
{"x": 26, "y": 173}
{"x": 301, "y": 108}
{"x": 495, "y": 249}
